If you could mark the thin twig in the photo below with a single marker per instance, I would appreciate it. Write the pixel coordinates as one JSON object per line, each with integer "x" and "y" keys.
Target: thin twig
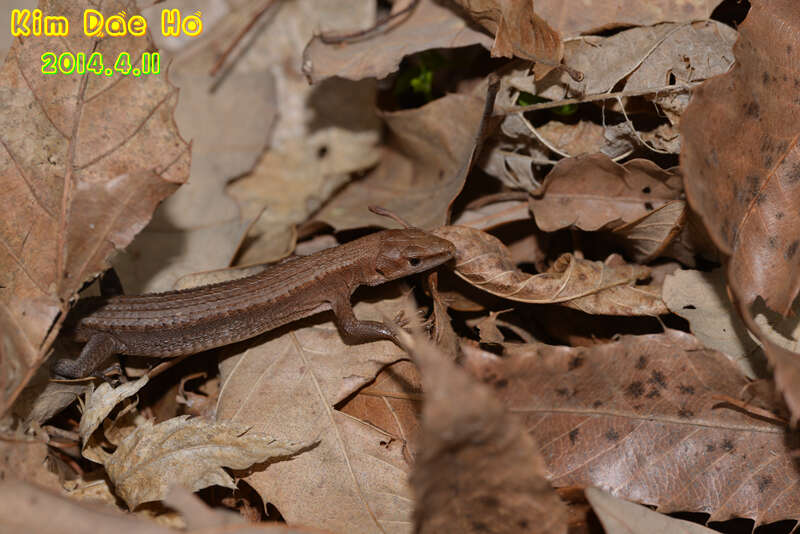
{"x": 677, "y": 88}
{"x": 239, "y": 37}
{"x": 379, "y": 27}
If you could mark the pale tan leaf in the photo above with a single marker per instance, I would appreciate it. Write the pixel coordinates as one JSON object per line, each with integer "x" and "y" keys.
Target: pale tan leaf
{"x": 424, "y": 170}
{"x": 99, "y": 404}
{"x": 597, "y": 15}
{"x": 622, "y": 517}
{"x": 431, "y": 25}
{"x": 79, "y": 181}
{"x": 478, "y": 470}
{"x": 354, "y": 479}
{"x": 28, "y": 508}
{"x": 189, "y": 452}
{"x": 701, "y": 299}
{"x": 642, "y": 417}
{"x": 485, "y": 262}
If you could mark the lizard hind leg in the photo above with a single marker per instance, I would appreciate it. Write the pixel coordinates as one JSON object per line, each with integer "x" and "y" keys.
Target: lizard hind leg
{"x": 98, "y": 349}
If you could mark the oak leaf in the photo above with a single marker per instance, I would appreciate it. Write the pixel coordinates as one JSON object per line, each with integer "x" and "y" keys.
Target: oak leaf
{"x": 645, "y": 418}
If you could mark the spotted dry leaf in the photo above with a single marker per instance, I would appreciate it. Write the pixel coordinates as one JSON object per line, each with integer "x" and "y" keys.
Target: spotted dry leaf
{"x": 741, "y": 164}
{"x": 593, "y": 192}
{"x": 591, "y": 286}
{"x": 644, "y": 417}
{"x": 84, "y": 160}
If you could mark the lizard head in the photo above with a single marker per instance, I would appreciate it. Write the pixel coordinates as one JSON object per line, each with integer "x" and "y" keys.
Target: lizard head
{"x": 409, "y": 251}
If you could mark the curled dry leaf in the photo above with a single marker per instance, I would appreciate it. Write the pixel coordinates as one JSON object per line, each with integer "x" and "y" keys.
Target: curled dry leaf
{"x": 430, "y": 25}
{"x": 517, "y": 30}
{"x": 641, "y": 417}
{"x": 79, "y": 179}
{"x": 597, "y": 15}
{"x": 99, "y": 404}
{"x": 485, "y": 262}
{"x": 741, "y": 163}
{"x": 622, "y": 517}
{"x": 647, "y": 237}
{"x": 478, "y": 470}
{"x": 593, "y": 192}
{"x": 420, "y": 177}
{"x": 189, "y": 452}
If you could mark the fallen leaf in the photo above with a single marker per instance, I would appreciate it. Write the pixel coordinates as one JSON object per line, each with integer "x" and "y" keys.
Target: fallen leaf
{"x": 641, "y": 418}
{"x": 478, "y": 470}
{"x": 424, "y": 170}
{"x": 593, "y": 192}
{"x": 648, "y": 237}
{"x": 517, "y": 30}
{"x": 597, "y": 15}
{"x": 701, "y": 299}
{"x": 741, "y": 161}
{"x": 430, "y": 25}
{"x": 622, "y": 517}
{"x": 485, "y": 262}
{"x": 79, "y": 180}
{"x": 354, "y": 479}
{"x": 99, "y": 404}
{"x": 189, "y": 452}
{"x": 393, "y": 403}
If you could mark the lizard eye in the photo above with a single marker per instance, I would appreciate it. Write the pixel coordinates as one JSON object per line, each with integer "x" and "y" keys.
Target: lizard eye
{"x": 414, "y": 261}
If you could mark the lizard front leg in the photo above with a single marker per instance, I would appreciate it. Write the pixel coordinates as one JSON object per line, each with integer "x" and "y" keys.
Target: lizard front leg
{"x": 354, "y": 330}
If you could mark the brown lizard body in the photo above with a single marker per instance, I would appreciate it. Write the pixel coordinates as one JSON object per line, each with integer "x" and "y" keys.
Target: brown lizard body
{"x": 183, "y": 322}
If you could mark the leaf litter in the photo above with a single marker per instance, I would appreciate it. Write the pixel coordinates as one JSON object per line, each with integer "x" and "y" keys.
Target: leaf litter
{"x": 614, "y": 175}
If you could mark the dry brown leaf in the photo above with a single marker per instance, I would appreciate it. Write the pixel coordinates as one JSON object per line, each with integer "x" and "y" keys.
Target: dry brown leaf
{"x": 622, "y": 517}
{"x": 307, "y": 172}
{"x": 422, "y": 172}
{"x": 430, "y": 25}
{"x": 79, "y": 179}
{"x": 28, "y": 508}
{"x": 189, "y": 452}
{"x": 741, "y": 163}
{"x": 583, "y": 137}
{"x": 393, "y": 403}
{"x": 485, "y": 262}
{"x": 23, "y": 506}
{"x": 99, "y": 404}
{"x": 593, "y": 192}
{"x": 646, "y": 238}
{"x": 701, "y": 299}
{"x": 517, "y": 30}
{"x": 24, "y": 457}
{"x": 641, "y": 417}
{"x": 596, "y": 15}
{"x": 354, "y": 479}
{"x": 478, "y": 470}
{"x": 494, "y": 214}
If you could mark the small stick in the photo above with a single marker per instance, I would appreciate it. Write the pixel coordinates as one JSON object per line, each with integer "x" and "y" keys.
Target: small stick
{"x": 602, "y": 96}
{"x": 377, "y": 210}
{"x": 369, "y": 32}
{"x": 242, "y": 33}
